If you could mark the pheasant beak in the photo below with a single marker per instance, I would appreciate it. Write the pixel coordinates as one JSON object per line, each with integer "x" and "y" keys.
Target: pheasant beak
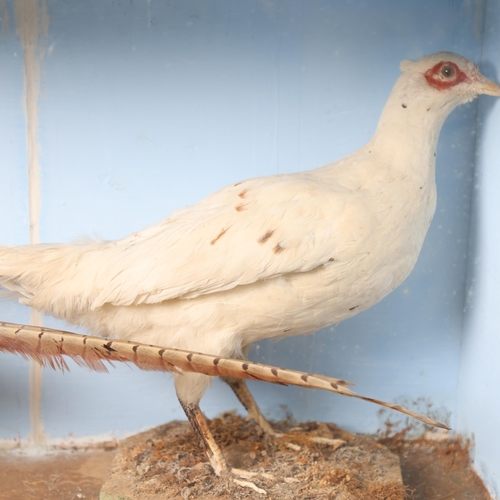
{"x": 485, "y": 86}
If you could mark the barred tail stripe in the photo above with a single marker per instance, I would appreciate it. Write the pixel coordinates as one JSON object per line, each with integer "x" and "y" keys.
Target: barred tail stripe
{"x": 48, "y": 346}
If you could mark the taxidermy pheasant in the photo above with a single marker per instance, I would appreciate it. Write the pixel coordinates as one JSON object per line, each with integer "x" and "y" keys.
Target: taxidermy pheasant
{"x": 268, "y": 257}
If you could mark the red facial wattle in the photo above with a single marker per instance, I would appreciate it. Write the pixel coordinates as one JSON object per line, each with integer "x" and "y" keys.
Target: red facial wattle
{"x": 445, "y": 75}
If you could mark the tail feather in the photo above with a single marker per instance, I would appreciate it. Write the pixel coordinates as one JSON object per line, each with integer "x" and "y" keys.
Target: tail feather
{"x": 48, "y": 346}
{"x": 52, "y": 278}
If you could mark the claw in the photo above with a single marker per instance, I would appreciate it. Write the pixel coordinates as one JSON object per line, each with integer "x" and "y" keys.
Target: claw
{"x": 248, "y": 484}
{"x": 247, "y": 474}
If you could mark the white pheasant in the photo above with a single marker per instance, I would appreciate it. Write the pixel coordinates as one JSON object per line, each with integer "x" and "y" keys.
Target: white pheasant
{"x": 268, "y": 257}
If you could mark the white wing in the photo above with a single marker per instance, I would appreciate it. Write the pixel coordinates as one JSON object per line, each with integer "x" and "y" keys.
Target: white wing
{"x": 253, "y": 230}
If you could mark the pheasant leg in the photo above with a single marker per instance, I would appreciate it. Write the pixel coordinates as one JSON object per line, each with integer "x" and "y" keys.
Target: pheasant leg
{"x": 199, "y": 423}
{"x": 245, "y": 397}
{"x": 214, "y": 453}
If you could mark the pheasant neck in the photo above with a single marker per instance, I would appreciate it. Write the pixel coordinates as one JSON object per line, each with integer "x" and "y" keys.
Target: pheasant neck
{"x": 408, "y": 130}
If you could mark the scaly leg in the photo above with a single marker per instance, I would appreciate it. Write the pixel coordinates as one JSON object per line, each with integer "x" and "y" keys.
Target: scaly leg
{"x": 214, "y": 453}
{"x": 199, "y": 423}
{"x": 242, "y": 392}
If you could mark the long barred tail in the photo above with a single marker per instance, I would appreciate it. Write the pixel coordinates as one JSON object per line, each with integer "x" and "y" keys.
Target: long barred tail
{"x": 48, "y": 346}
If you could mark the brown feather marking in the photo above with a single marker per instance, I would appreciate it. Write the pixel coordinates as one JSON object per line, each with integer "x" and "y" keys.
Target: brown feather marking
{"x": 238, "y": 183}
{"x": 108, "y": 346}
{"x": 240, "y": 207}
{"x": 264, "y": 238}
{"x": 245, "y": 366}
{"x": 278, "y": 248}
{"x": 274, "y": 371}
{"x": 222, "y": 233}
{"x": 243, "y": 193}
{"x": 60, "y": 345}
{"x": 216, "y": 361}
{"x": 189, "y": 357}
{"x": 304, "y": 377}
{"x": 334, "y": 386}
{"x": 352, "y": 308}
{"x": 331, "y": 259}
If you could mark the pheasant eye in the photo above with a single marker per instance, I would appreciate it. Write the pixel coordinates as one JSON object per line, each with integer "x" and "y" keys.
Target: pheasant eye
{"x": 447, "y": 71}
{"x": 445, "y": 75}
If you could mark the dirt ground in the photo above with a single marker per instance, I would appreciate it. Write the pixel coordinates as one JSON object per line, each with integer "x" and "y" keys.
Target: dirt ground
{"x": 435, "y": 470}
{"x": 431, "y": 470}
{"x": 312, "y": 461}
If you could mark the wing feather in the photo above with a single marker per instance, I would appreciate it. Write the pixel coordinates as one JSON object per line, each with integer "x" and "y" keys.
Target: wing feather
{"x": 254, "y": 230}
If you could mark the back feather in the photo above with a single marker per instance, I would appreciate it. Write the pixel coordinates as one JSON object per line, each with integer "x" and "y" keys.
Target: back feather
{"x": 48, "y": 346}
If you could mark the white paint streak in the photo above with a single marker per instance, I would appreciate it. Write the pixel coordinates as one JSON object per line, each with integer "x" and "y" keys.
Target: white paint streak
{"x": 32, "y": 22}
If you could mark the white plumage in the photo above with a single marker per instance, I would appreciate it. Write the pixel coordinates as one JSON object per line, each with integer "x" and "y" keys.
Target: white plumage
{"x": 268, "y": 257}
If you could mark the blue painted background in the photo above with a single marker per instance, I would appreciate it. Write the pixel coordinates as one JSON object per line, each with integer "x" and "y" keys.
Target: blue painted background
{"x": 478, "y": 406}
{"x": 147, "y": 107}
